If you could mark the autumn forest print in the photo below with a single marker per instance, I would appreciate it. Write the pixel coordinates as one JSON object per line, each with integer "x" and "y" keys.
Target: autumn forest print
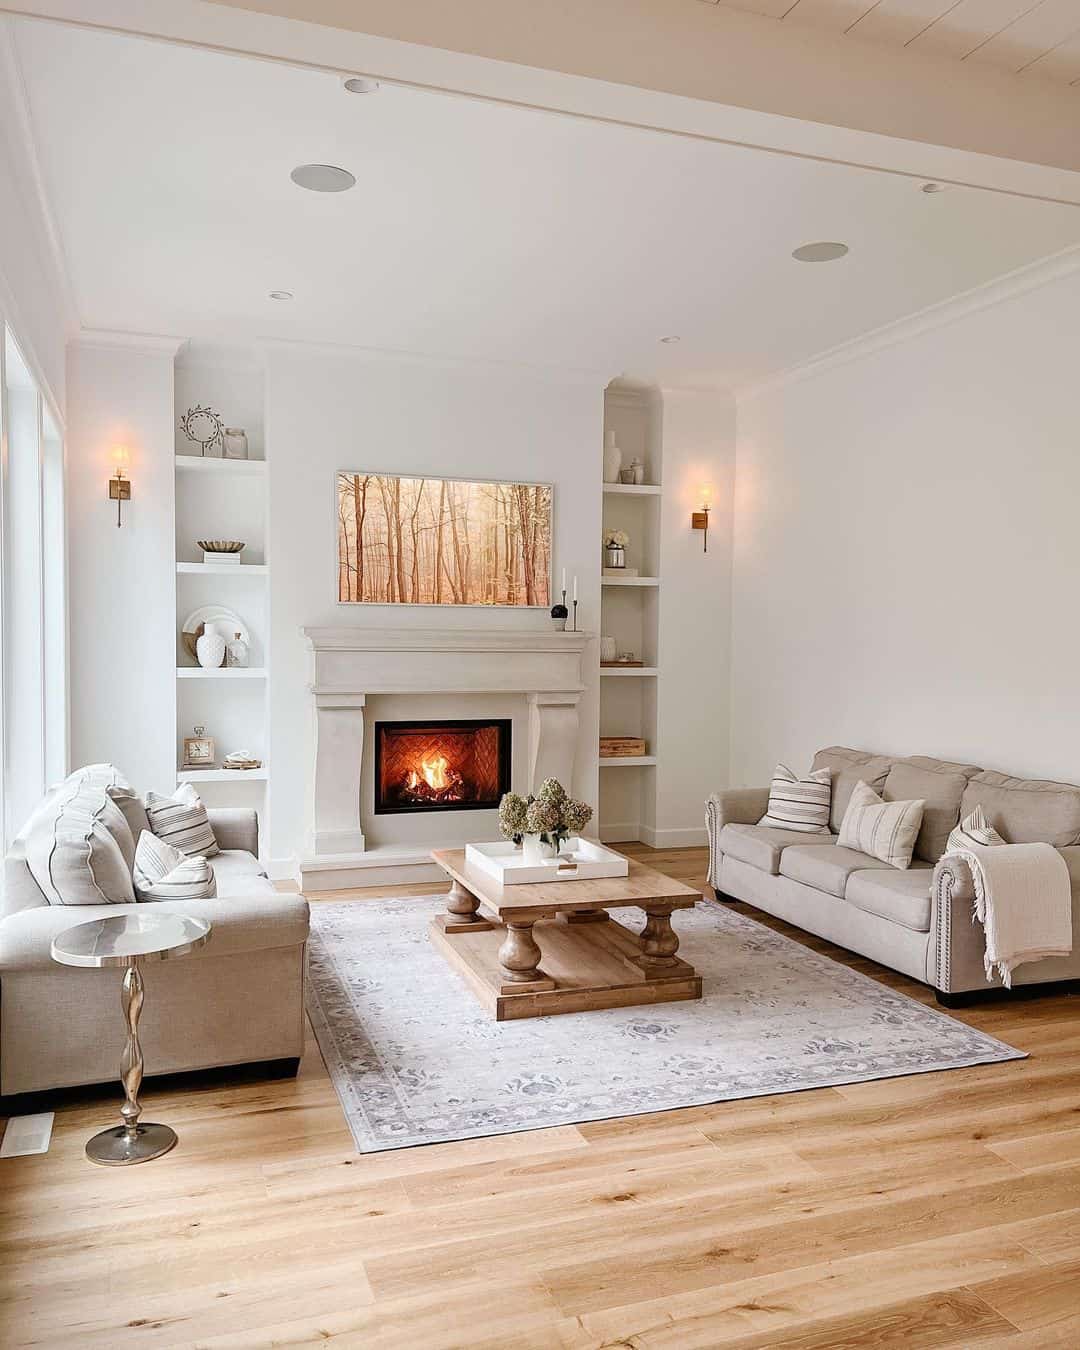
{"x": 440, "y": 541}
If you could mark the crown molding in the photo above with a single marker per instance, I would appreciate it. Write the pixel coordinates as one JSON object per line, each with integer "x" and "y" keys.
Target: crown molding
{"x": 1031, "y": 277}
{"x": 163, "y": 343}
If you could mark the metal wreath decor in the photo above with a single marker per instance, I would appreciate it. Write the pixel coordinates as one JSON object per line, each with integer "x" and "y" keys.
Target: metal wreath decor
{"x": 204, "y": 427}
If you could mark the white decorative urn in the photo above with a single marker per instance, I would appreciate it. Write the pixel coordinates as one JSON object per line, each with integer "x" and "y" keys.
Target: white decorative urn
{"x": 210, "y": 649}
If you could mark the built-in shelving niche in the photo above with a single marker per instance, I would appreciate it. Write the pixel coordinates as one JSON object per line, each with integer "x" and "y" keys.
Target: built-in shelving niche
{"x": 630, "y": 609}
{"x": 223, "y": 499}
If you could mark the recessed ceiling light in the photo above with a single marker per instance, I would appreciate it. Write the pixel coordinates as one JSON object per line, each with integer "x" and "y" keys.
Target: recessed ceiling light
{"x": 360, "y": 84}
{"x": 281, "y": 295}
{"x": 322, "y": 178}
{"x": 933, "y": 187}
{"x": 820, "y": 252}
{"x": 673, "y": 338}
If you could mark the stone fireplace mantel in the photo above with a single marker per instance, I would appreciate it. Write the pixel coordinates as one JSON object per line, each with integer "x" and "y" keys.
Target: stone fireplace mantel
{"x": 349, "y": 664}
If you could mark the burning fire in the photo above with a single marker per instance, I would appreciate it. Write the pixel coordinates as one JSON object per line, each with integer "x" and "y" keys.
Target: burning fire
{"x": 434, "y": 781}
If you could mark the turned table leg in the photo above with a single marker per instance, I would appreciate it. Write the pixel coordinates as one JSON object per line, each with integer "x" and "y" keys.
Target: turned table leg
{"x": 519, "y": 955}
{"x": 462, "y": 905}
{"x": 659, "y": 941}
{"x": 461, "y": 915}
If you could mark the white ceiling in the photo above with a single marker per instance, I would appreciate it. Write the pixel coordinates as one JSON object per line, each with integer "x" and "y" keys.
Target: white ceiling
{"x": 1039, "y": 38}
{"x": 475, "y": 230}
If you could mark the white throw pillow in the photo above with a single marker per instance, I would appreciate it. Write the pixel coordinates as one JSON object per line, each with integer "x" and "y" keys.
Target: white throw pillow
{"x": 164, "y": 873}
{"x": 800, "y": 804}
{"x": 79, "y": 848}
{"x": 974, "y": 829}
{"x": 181, "y": 820}
{"x": 885, "y": 830}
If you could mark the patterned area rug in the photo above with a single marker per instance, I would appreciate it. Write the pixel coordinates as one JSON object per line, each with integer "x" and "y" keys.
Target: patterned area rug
{"x": 416, "y": 1059}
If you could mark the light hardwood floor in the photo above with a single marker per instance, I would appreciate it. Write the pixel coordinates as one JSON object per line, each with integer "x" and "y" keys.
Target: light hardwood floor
{"x": 936, "y": 1210}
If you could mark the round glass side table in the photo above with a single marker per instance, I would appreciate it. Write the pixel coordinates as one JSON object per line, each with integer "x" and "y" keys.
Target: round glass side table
{"x": 124, "y": 941}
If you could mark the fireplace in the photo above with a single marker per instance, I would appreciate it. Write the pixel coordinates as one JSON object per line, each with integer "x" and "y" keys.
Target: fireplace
{"x": 441, "y": 765}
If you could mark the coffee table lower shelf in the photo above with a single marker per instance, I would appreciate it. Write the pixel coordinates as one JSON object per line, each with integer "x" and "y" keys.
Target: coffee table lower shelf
{"x": 584, "y": 966}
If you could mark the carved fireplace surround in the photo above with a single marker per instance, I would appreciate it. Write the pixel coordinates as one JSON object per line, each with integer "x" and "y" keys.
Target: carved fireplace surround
{"x": 351, "y": 664}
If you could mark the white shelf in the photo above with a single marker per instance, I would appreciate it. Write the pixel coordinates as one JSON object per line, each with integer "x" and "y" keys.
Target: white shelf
{"x": 223, "y": 569}
{"x": 221, "y": 775}
{"x": 626, "y": 672}
{"x": 221, "y": 673}
{"x": 633, "y": 489}
{"x": 625, "y": 761}
{"x": 253, "y": 468}
{"x": 629, "y": 581}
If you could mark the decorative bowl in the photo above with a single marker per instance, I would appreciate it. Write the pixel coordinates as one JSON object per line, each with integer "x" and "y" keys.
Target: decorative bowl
{"x": 221, "y": 545}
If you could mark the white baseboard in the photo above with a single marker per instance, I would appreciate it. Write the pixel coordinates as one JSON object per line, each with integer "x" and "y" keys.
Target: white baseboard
{"x": 620, "y": 834}
{"x": 633, "y": 832}
{"x": 684, "y": 838}
{"x": 282, "y": 869}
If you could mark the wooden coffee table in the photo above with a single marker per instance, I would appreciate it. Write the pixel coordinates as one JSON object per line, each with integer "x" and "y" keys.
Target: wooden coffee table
{"x": 552, "y": 947}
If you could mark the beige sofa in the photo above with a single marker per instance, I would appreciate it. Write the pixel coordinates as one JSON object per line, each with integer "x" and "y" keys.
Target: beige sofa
{"x": 238, "y": 1000}
{"x": 881, "y": 912}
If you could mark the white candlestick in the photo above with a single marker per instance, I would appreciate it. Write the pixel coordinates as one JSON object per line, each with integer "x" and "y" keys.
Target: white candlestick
{"x": 564, "y": 581}
{"x": 575, "y": 588}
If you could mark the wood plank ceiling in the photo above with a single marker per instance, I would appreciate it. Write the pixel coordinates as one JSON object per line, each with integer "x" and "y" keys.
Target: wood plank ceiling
{"x": 1038, "y": 38}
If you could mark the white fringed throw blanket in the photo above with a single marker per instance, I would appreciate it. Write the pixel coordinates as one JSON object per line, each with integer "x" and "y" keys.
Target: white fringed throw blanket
{"x": 1023, "y": 898}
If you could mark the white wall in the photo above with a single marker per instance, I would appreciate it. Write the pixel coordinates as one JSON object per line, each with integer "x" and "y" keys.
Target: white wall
{"x": 907, "y": 558}
{"x": 329, "y": 410}
{"x": 31, "y": 292}
{"x": 695, "y": 614}
{"x": 122, "y": 581}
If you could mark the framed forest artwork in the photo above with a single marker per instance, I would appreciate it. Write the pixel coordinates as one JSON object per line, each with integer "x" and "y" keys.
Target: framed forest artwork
{"x": 442, "y": 541}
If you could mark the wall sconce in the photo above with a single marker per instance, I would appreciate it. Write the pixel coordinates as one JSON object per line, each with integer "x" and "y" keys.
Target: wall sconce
{"x": 699, "y": 520}
{"x": 119, "y": 485}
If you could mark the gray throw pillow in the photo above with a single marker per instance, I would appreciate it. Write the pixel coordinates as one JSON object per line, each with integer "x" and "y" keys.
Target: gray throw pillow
{"x": 79, "y": 847}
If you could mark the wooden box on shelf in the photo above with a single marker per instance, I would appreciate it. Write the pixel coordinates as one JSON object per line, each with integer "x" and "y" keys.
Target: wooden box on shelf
{"x": 621, "y": 747}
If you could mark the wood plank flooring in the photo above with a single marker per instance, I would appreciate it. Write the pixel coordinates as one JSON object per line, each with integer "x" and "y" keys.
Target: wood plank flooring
{"x": 936, "y": 1210}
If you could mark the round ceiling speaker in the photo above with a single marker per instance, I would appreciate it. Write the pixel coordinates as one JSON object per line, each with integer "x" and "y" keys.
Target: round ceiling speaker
{"x": 322, "y": 178}
{"x": 820, "y": 252}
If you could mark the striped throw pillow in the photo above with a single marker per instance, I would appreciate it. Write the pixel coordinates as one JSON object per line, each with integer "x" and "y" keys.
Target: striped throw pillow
{"x": 164, "y": 873}
{"x": 974, "y": 829}
{"x": 885, "y": 830}
{"x": 800, "y": 804}
{"x": 181, "y": 820}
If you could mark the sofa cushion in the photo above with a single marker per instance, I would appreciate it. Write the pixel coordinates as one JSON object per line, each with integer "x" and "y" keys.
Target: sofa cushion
{"x": 799, "y": 804}
{"x": 901, "y": 897}
{"x": 847, "y": 768}
{"x": 762, "y": 845}
{"x": 240, "y": 873}
{"x": 940, "y": 786}
{"x": 79, "y": 848}
{"x": 1026, "y": 810}
{"x": 130, "y": 803}
{"x": 974, "y": 831}
{"x": 182, "y": 821}
{"x": 886, "y": 830}
{"x": 826, "y": 867}
{"x": 164, "y": 873}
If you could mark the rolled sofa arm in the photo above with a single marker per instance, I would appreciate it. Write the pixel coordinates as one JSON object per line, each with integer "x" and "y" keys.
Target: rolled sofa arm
{"x": 954, "y": 956}
{"x": 733, "y": 806}
{"x": 235, "y": 827}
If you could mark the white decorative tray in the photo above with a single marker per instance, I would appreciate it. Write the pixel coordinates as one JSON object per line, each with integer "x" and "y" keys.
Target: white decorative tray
{"x": 579, "y": 860}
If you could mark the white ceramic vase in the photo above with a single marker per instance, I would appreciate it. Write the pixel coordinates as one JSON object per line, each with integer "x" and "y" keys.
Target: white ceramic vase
{"x": 612, "y": 459}
{"x": 210, "y": 649}
{"x": 535, "y": 849}
{"x": 608, "y": 649}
